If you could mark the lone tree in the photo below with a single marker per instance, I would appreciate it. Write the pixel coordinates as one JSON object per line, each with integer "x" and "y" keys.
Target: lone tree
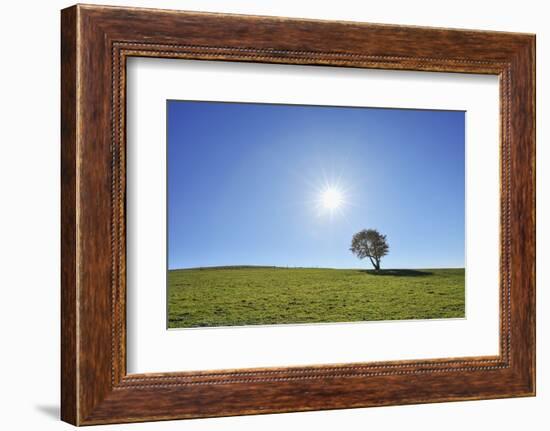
{"x": 370, "y": 243}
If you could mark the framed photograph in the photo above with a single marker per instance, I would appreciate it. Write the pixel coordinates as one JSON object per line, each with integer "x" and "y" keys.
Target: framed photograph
{"x": 264, "y": 214}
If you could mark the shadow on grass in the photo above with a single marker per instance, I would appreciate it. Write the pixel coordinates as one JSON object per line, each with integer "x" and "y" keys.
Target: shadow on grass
{"x": 398, "y": 272}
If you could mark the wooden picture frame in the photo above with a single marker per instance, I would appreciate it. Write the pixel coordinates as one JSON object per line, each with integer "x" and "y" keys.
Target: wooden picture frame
{"x": 95, "y": 43}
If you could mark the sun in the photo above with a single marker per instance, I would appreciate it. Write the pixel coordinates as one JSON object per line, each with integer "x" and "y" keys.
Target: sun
{"x": 331, "y": 198}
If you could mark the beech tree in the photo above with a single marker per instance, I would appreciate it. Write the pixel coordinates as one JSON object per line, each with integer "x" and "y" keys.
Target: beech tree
{"x": 372, "y": 244}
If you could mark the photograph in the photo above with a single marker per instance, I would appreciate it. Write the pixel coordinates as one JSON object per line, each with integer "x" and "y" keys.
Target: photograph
{"x": 300, "y": 214}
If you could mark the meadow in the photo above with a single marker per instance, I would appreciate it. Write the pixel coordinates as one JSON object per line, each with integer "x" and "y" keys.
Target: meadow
{"x": 237, "y": 296}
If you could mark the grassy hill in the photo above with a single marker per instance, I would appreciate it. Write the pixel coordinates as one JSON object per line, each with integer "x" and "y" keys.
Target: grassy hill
{"x": 248, "y": 295}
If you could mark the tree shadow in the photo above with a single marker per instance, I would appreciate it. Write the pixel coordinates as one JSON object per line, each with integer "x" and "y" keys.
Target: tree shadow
{"x": 398, "y": 272}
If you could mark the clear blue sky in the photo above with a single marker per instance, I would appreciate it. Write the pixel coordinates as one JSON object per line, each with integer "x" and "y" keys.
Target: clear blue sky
{"x": 244, "y": 182}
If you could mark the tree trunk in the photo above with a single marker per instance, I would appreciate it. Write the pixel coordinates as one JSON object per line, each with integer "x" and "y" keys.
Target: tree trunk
{"x": 373, "y": 263}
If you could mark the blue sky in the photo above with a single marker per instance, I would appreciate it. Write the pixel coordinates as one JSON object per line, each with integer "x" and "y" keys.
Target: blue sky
{"x": 245, "y": 181}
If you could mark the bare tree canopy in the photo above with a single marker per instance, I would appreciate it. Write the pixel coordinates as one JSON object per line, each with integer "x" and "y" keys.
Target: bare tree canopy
{"x": 372, "y": 244}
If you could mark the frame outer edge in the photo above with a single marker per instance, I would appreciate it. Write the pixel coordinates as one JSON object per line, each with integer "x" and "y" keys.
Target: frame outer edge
{"x": 69, "y": 202}
{"x": 524, "y": 216}
{"x": 532, "y": 81}
{"x": 533, "y": 53}
{"x": 530, "y": 63}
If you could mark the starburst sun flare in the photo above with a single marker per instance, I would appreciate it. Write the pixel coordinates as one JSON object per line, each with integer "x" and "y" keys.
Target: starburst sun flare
{"x": 331, "y": 198}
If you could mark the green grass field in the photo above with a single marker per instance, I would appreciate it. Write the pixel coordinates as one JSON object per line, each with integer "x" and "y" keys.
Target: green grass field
{"x": 236, "y": 296}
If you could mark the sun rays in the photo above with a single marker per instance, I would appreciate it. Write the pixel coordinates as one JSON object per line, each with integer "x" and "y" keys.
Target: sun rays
{"x": 330, "y": 198}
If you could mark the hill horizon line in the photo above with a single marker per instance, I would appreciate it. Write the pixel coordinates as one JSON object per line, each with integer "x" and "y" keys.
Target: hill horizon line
{"x": 304, "y": 267}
